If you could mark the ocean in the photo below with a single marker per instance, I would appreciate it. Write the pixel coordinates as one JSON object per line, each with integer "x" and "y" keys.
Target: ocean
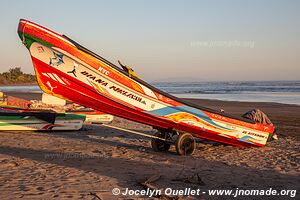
{"x": 287, "y": 92}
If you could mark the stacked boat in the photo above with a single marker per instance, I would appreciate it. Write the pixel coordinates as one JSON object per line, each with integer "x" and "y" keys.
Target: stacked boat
{"x": 17, "y": 114}
{"x": 12, "y": 119}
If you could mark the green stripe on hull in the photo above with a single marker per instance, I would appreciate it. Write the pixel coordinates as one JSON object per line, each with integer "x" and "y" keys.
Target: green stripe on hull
{"x": 29, "y": 39}
{"x": 17, "y": 123}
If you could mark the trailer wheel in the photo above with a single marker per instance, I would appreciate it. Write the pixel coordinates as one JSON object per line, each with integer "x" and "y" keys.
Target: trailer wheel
{"x": 159, "y": 145}
{"x": 185, "y": 144}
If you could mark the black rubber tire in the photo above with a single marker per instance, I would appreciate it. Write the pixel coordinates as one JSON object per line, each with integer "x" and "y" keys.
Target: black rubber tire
{"x": 159, "y": 145}
{"x": 185, "y": 144}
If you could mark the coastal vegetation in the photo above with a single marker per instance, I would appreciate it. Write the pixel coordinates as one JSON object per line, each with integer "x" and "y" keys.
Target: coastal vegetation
{"x": 16, "y": 76}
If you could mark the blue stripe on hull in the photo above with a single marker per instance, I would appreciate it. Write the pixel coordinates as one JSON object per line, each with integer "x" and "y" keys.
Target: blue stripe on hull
{"x": 172, "y": 110}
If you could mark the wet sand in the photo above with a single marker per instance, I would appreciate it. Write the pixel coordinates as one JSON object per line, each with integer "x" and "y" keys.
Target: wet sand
{"x": 71, "y": 165}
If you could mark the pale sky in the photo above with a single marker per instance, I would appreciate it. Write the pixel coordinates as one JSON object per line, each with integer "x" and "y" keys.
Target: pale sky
{"x": 167, "y": 39}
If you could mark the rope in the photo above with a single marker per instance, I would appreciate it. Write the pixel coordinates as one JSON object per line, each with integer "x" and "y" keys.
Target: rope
{"x": 134, "y": 132}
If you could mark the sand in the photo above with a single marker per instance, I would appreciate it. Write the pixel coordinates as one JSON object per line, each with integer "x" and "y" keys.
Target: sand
{"x": 72, "y": 165}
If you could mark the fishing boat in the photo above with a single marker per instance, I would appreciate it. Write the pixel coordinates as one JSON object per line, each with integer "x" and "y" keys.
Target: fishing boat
{"x": 68, "y": 70}
{"x": 12, "y": 119}
{"x": 11, "y": 101}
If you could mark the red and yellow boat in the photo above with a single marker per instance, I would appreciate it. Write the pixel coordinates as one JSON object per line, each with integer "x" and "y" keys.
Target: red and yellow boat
{"x": 68, "y": 70}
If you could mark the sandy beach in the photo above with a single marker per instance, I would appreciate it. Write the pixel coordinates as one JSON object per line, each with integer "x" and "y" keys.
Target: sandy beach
{"x": 88, "y": 164}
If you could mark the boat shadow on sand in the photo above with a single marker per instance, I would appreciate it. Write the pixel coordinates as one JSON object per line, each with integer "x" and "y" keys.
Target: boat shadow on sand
{"x": 129, "y": 160}
{"x": 128, "y": 172}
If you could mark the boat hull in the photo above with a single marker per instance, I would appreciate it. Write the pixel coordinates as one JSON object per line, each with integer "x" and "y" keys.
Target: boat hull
{"x": 63, "y": 122}
{"x": 66, "y": 71}
{"x": 94, "y": 117}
